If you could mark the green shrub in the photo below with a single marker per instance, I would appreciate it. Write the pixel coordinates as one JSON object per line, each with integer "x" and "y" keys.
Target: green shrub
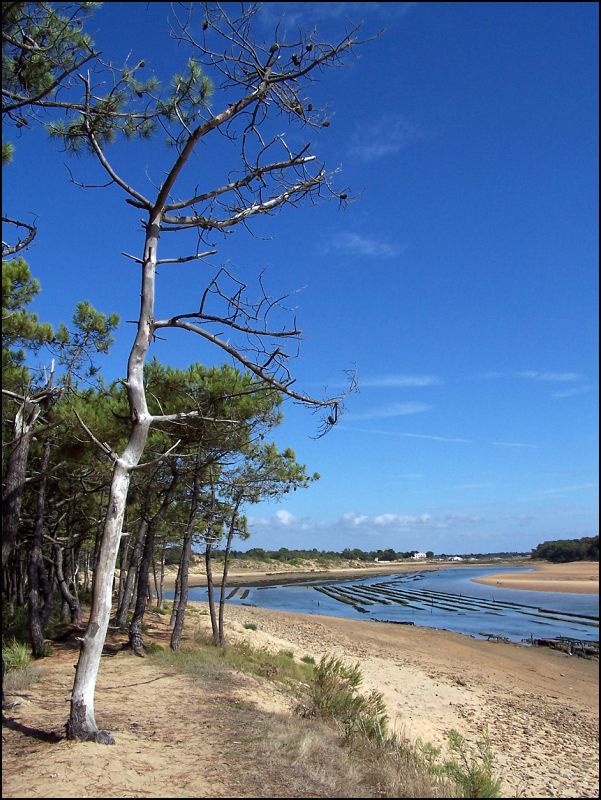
{"x": 334, "y": 693}
{"x": 287, "y": 653}
{"x": 308, "y": 659}
{"x": 153, "y": 647}
{"x": 250, "y": 626}
{"x": 16, "y": 655}
{"x": 471, "y": 769}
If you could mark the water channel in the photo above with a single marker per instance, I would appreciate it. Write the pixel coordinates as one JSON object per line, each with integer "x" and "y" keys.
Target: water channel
{"x": 447, "y": 599}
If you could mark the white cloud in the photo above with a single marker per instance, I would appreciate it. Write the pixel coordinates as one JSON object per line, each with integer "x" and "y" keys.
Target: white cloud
{"x": 360, "y": 245}
{"x": 400, "y": 381}
{"x": 394, "y": 410}
{"x": 354, "y": 519}
{"x": 433, "y": 438}
{"x": 571, "y": 392}
{"x": 284, "y": 517}
{"x": 402, "y": 520}
{"x": 386, "y": 136}
{"x": 565, "y": 489}
{"x": 475, "y": 486}
{"x": 387, "y": 520}
{"x": 307, "y": 13}
{"x": 512, "y": 444}
{"x": 408, "y": 435}
{"x": 551, "y": 377}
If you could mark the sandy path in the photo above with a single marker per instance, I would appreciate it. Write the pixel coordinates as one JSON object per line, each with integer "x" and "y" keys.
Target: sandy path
{"x": 577, "y": 576}
{"x": 176, "y": 735}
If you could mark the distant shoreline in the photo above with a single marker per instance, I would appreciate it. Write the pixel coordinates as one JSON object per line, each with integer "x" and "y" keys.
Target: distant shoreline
{"x": 274, "y": 578}
{"x": 581, "y": 577}
{"x": 578, "y": 577}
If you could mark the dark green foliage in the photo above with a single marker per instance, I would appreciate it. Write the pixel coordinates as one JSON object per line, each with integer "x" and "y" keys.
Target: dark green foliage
{"x": 562, "y": 550}
{"x": 334, "y": 693}
{"x": 20, "y": 328}
{"x": 42, "y": 43}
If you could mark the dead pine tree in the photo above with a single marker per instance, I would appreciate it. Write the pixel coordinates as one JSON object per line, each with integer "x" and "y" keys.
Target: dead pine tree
{"x": 250, "y": 85}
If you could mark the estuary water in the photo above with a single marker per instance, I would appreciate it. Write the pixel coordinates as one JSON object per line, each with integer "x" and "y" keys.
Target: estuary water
{"x": 446, "y": 599}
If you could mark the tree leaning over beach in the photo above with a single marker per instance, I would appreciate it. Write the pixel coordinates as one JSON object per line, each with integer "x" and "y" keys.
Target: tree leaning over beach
{"x": 251, "y": 85}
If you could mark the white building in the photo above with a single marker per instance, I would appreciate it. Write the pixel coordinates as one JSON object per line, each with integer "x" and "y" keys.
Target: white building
{"x": 418, "y": 556}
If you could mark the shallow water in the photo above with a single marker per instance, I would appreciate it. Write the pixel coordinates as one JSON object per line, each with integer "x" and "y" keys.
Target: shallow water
{"x": 447, "y": 599}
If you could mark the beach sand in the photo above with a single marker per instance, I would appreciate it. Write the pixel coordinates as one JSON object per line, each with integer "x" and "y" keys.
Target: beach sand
{"x": 576, "y": 576}
{"x": 540, "y": 707}
{"x": 179, "y": 736}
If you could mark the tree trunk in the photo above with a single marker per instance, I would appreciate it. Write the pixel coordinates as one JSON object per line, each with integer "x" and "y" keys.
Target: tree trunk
{"x": 16, "y": 469}
{"x": 226, "y": 564}
{"x": 176, "y": 592}
{"x": 136, "y": 640}
{"x": 178, "y": 620}
{"x": 128, "y": 591}
{"x": 82, "y": 724}
{"x": 180, "y": 600}
{"x": 71, "y": 600}
{"x": 35, "y": 567}
{"x": 123, "y": 570}
{"x": 211, "y": 592}
{"x": 160, "y": 591}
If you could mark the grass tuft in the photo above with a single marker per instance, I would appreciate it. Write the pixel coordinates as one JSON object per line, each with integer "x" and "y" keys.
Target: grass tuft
{"x": 15, "y": 655}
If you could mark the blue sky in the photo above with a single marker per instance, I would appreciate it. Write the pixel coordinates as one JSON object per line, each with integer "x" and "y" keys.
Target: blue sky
{"x": 460, "y": 284}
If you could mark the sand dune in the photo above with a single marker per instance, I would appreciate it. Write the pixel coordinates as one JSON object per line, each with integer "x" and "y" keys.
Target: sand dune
{"x": 576, "y": 576}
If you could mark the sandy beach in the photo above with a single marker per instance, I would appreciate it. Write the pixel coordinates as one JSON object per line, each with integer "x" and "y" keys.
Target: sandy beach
{"x": 577, "y": 576}
{"x": 540, "y": 709}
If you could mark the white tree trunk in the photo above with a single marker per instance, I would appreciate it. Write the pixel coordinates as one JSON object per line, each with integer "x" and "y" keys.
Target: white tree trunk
{"x": 82, "y": 723}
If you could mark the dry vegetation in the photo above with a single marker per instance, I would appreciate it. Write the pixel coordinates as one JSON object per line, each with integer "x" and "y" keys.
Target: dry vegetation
{"x": 238, "y": 707}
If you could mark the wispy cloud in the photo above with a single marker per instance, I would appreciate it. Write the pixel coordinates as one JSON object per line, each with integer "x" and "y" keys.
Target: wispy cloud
{"x": 308, "y": 13}
{"x": 433, "y": 438}
{"x": 475, "y": 486}
{"x": 408, "y": 435}
{"x": 357, "y": 244}
{"x": 393, "y": 410}
{"x": 575, "y": 390}
{"x": 399, "y": 381}
{"x": 566, "y": 489}
{"x": 387, "y": 136}
{"x": 512, "y": 444}
{"x": 550, "y": 377}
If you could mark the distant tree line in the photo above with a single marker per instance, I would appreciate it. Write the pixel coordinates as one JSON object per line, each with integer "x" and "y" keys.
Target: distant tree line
{"x": 562, "y": 550}
{"x": 355, "y": 554}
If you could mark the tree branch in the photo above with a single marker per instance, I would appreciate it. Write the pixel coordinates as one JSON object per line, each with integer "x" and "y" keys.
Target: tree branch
{"x": 9, "y": 250}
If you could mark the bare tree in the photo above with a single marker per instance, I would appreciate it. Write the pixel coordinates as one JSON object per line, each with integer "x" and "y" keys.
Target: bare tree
{"x": 257, "y": 83}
